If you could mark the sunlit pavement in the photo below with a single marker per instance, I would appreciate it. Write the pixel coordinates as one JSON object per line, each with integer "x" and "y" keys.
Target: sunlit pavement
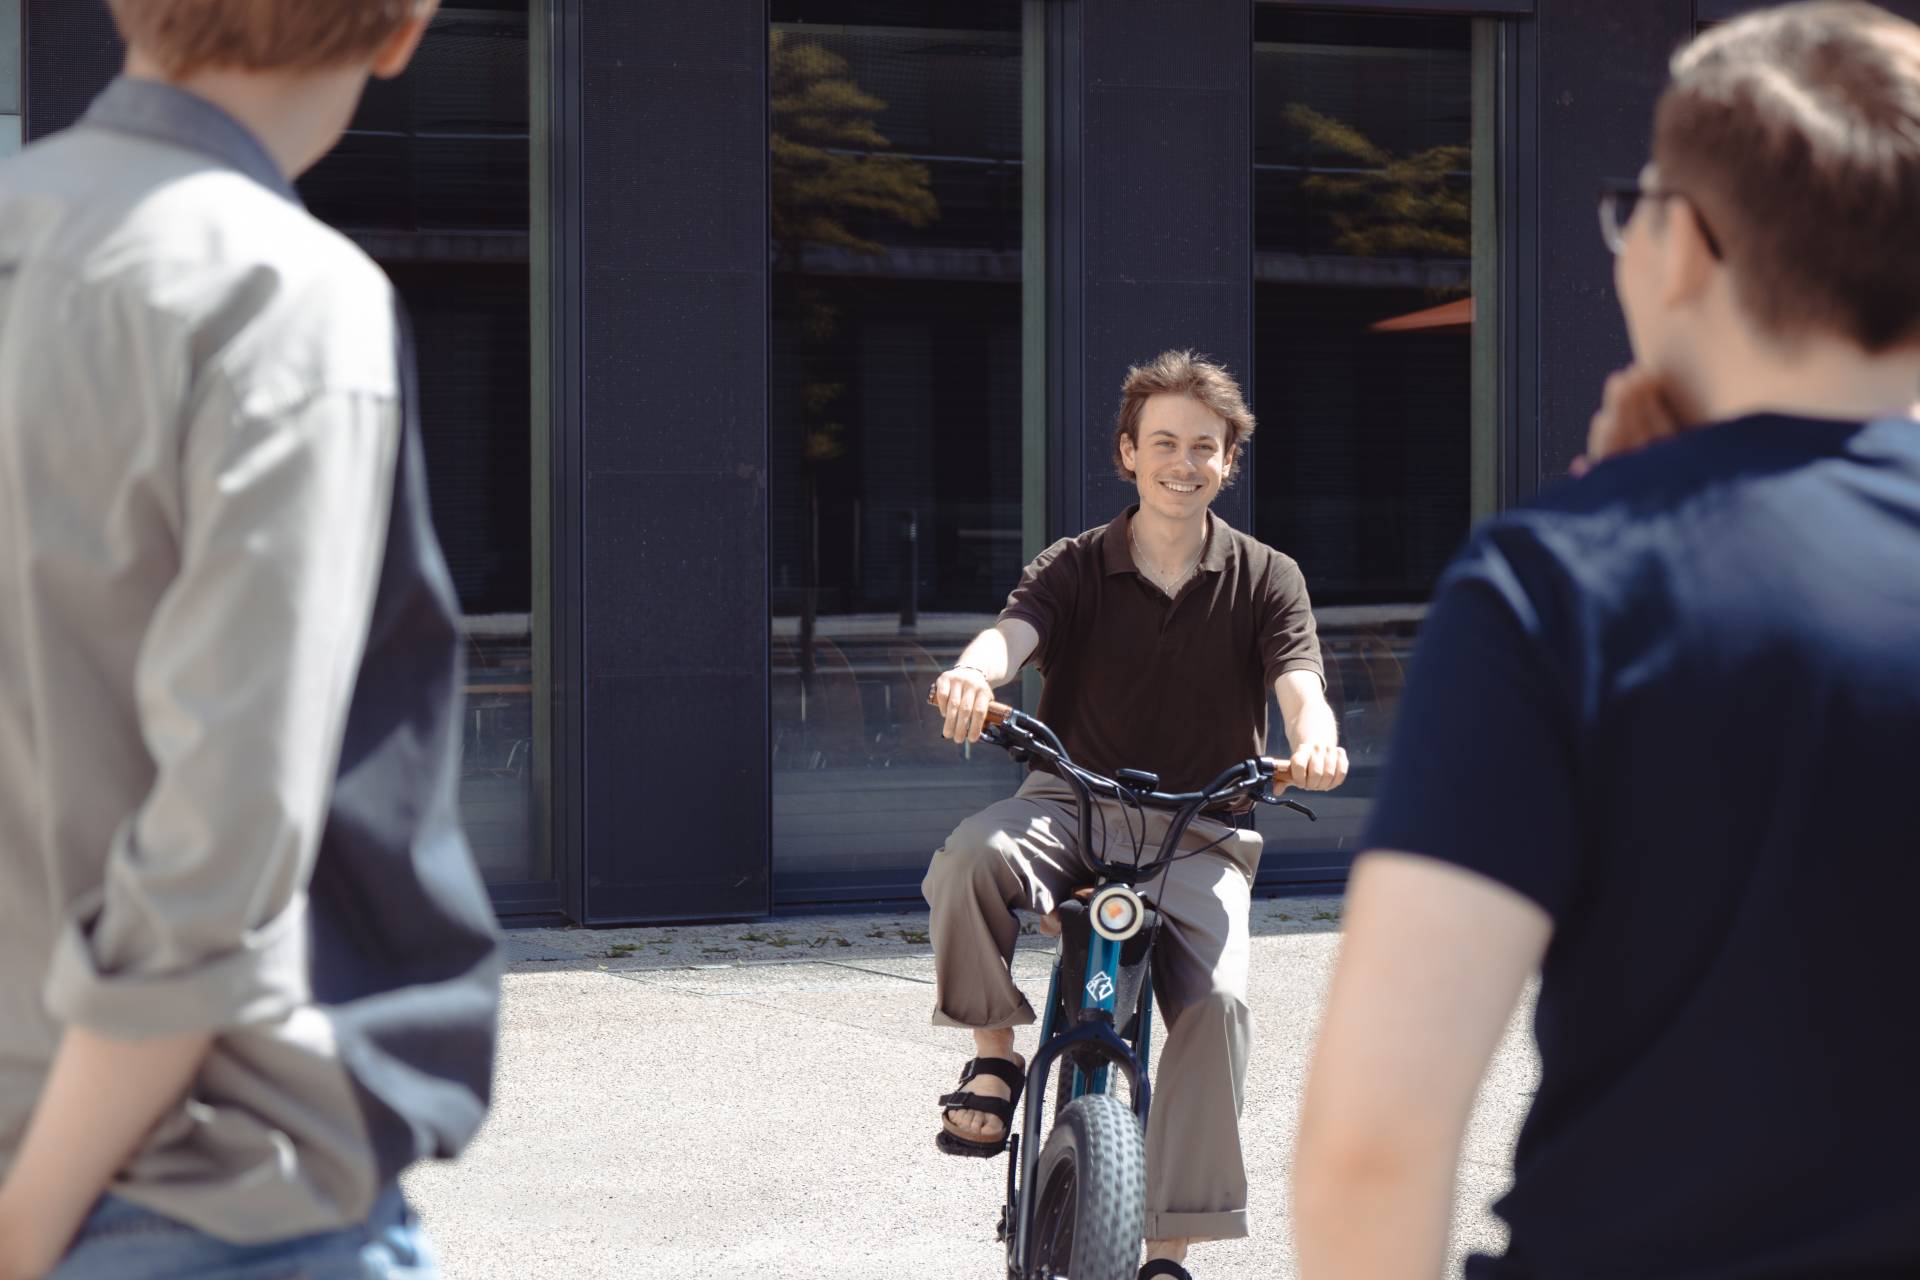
{"x": 748, "y": 1101}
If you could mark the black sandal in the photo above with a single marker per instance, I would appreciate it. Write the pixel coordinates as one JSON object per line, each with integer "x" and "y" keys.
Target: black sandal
{"x": 1165, "y": 1267}
{"x": 1001, "y": 1109}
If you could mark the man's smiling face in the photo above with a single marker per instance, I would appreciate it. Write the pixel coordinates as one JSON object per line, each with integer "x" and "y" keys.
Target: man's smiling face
{"x": 1181, "y": 459}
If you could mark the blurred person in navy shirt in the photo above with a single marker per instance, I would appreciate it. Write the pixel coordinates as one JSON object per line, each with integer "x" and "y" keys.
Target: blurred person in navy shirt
{"x": 1699, "y": 667}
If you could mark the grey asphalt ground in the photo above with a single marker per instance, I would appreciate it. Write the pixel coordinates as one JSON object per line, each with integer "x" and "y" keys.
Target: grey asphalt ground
{"x": 749, "y": 1101}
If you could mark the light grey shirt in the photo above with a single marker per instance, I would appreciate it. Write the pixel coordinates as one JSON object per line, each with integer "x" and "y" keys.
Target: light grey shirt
{"x": 198, "y": 426}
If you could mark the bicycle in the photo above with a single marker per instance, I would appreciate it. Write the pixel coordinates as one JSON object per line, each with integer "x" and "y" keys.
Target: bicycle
{"x": 1076, "y": 1206}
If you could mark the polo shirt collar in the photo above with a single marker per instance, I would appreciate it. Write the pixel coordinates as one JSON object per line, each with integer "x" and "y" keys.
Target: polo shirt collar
{"x": 1213, "y": 552}
{"x": 1116, "y": 548}
{"x": 166, "y": 113}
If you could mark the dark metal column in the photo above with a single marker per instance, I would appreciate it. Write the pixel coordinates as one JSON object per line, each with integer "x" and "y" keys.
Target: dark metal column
{"x": 1595, "y": 120}
{"x": 1150, "y": 233}
{"x": 671, "y": 514}
{"x": 68, "y": 51}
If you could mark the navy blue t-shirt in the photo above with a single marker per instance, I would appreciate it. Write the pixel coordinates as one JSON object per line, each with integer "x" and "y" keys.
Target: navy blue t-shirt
{"x": 1677, "y": 704}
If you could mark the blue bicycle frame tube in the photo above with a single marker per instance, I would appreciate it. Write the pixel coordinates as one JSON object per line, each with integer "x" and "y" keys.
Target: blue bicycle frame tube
{"x": 1053, "y": 993}
{"x": 1143, "y": 1043}
{"x": 1103, "y": 981}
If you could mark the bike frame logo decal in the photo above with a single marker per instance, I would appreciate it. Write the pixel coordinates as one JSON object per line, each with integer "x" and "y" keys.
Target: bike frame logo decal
{"x": 1100, "y": 987}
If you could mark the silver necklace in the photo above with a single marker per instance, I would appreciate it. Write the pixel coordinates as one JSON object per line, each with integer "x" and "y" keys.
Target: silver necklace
{"x": 1172, "y": 587}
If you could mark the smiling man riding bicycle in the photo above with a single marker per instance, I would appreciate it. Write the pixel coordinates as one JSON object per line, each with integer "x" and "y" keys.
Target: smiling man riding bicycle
{"x": 1160, "y": 634}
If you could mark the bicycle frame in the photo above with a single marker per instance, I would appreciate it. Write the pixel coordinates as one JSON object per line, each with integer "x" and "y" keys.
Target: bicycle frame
{"x": 1094, "y": 1039}
{"x": 1093, "y": 1035}
{"x": 1095, "y": 1031}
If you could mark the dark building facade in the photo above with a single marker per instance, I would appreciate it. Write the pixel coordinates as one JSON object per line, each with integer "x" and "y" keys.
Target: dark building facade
{"x": 763, "y": 341}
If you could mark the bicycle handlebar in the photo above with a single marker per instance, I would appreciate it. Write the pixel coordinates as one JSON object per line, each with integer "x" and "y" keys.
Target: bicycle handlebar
{"x": 1018, "y": 732}
{"x": 999, "y": 713}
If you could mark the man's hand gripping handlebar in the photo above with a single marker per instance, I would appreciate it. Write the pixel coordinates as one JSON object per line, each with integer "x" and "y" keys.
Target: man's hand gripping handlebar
{"x": 967, "y": 709}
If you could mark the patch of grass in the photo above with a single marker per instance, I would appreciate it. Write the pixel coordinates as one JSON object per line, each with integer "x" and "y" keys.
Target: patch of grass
{"x": 831, "y": 940}
{"x": 620, "y": 950}
{"x": 1326, "y": 915}
{"x": 913, "y": 935}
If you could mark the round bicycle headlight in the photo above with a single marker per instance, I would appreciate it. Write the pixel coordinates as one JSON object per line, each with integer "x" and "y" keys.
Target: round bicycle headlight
{"x": 1117, "y": 913}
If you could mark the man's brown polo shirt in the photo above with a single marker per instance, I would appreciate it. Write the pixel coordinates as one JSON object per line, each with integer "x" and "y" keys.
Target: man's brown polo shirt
{"x": 1178, "y": 686}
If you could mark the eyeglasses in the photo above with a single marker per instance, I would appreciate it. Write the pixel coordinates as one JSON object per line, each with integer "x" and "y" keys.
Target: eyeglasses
{"x": 1619, "y": 199}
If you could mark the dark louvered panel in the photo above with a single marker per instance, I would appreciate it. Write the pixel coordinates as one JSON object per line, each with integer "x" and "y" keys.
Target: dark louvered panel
{"x": 471, "y": 327}
{"x": 1362, "y": 189}
{"x": 432, "y": 180}
{"x": 440, "y": 153}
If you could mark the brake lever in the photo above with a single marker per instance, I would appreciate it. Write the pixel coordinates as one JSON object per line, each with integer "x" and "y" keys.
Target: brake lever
{"x": 1267, "y": 797}
{"x": 1010, "y": 737}
{"x": 1005, "y": 735}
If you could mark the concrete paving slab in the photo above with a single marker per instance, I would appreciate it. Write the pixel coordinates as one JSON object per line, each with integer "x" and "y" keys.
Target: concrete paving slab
{"x": 659, "y": 1114}
{"x": 817, "y": 938}
{"x": 773, "y": 982}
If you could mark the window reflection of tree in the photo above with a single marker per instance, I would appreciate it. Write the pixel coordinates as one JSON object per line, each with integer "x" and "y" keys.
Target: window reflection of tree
{"x": 828, "y": 162}
{"x": 1386, "y": 205}
{"x": 1380, "y": 204}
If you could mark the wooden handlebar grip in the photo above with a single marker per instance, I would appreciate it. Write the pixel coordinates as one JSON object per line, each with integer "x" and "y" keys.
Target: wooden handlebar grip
{"x": 996, "y": 711}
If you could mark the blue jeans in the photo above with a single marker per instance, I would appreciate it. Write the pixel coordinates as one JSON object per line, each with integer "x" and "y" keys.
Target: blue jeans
{"x": 120, "y": 1241}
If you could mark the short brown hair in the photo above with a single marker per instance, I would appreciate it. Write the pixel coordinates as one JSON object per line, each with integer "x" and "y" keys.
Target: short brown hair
{"x": 1182, "y": 373}
{"x": 185, "y": 36}
{"x": 1796, "y": 132}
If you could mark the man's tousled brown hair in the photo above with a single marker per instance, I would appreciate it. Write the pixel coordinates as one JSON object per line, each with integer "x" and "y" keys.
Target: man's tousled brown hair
{"x": 186, "y": 36}
{"x": 1796, "y": 132}
{"x": 1180, "y": 373}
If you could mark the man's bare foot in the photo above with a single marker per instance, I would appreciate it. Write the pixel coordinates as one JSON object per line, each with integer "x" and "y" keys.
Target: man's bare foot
{"x": 1171, "y": 1250}
{"x": 977, "y": 1126}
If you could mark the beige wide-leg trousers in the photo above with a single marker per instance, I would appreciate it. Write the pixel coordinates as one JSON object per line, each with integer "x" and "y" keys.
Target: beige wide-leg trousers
{"x": 1023, "y": 853}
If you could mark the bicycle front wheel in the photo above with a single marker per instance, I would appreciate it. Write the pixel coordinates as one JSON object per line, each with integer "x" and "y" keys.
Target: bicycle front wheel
{"x": 1091, "y": 1183}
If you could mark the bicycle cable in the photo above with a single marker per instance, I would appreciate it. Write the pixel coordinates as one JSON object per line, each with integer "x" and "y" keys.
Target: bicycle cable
{"x": 1159, "y": 912}
{"x": 1130, "y": 804}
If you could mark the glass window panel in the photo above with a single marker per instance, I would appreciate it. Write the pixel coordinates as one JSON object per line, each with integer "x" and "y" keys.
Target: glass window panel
{"x": 432, "y": 179}
{"x": 896, "y": 416}
{"x": 1364, "y": 369}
